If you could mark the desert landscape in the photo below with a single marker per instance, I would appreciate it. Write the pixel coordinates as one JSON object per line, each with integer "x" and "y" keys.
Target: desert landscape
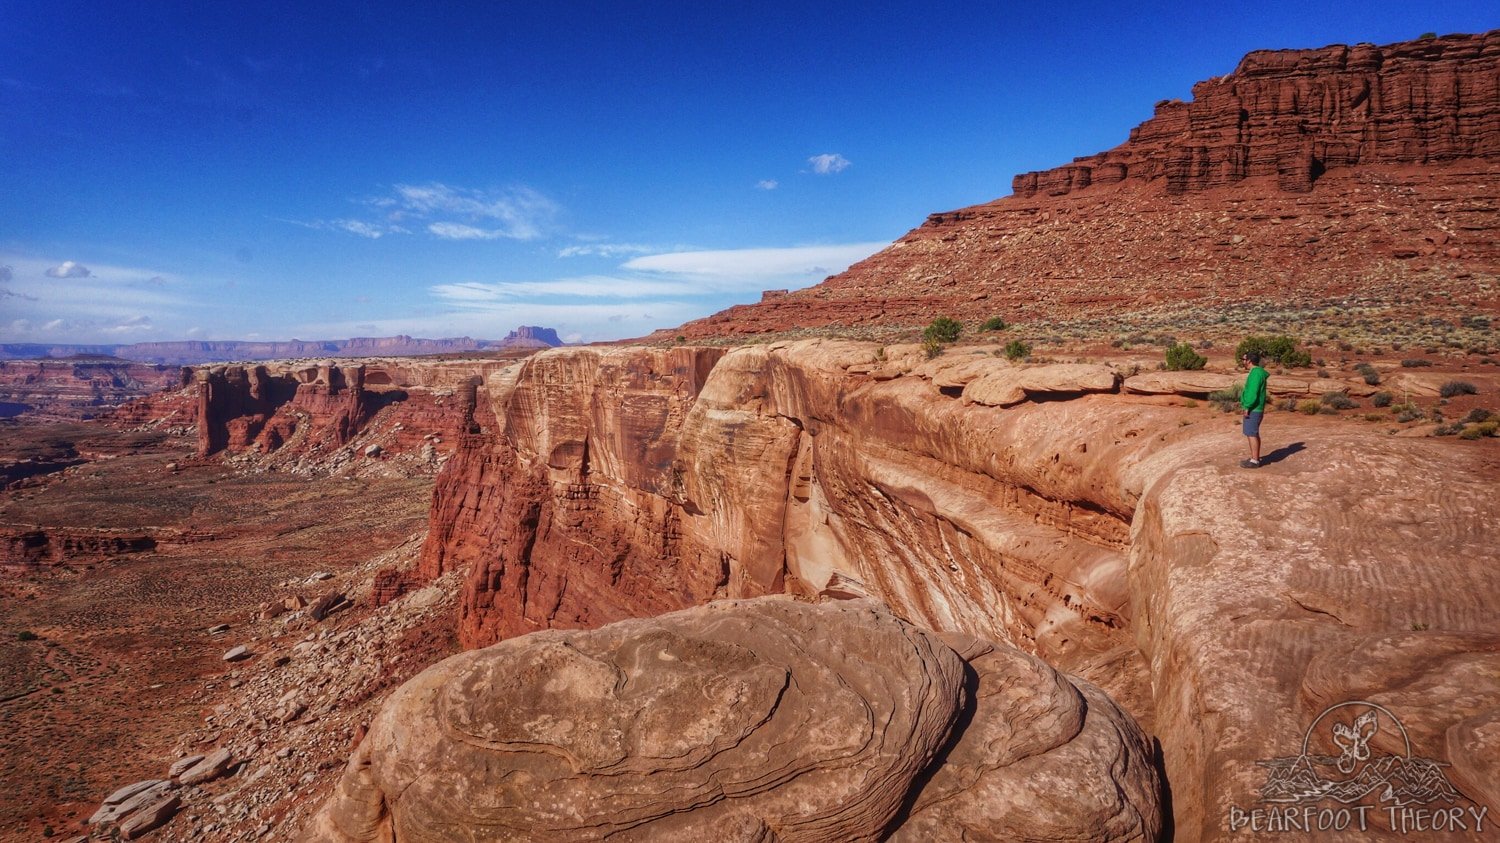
{"x": 955, "y": 545}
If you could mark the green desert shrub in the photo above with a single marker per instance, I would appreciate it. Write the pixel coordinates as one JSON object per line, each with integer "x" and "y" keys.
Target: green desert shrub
{"x": 1338, "y": 400}
{"x": 931, "y": 347}
{"x": 1477, "y": 415}
{"x": 1227, "y": 400}
{"x": 1275, "y": 349}
{"x": 1488, "y": 428}
{"x": 1452, "y": 389}
{"x": 26, "y": 635}
{"x": 1407, "y": 412}
{"x": 1369, "y": 373}
{"x": 994, "y": 323}
{"x": 1017, "y": 350}
{"x": 1310, "y": 406}
{"x": 1471, "y": 433}
{"x": 1181, "y": 357}
{"x": 1382, "y": 399}
{"x": 1287, "y": 404}
{"x": 1415, "y": 363}
{"x": 942, "y": 329}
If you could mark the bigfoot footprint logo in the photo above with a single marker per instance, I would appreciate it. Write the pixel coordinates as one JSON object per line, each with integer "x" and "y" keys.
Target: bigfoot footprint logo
{"x": 1354, "y": 740}
{"x": 1347, "y": 770}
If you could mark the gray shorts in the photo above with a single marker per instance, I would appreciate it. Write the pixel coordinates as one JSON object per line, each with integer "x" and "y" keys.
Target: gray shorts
{"x": 1251, "y": 425}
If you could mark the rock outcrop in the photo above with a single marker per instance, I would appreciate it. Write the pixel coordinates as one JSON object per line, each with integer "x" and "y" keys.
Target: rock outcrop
{"x": 746, "y": 721}
{"x": 1110, "y": 534}
{"x": 1295, "y": 114}
{"x": 296, "y": 408}
{"x": 1343, "y": 173}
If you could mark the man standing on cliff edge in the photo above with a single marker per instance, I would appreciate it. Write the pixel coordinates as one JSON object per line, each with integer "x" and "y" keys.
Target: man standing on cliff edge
{"x": 1253, "y": 399}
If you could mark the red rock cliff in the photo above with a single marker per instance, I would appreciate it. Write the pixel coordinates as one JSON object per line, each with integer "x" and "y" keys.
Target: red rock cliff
{"x": 1295, "y": 114}
{"x": 1053, "y": 508}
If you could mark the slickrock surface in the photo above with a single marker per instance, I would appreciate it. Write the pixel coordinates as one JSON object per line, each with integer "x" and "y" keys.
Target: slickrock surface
{"x": 1361, "y": 174}
{"x": 1111, "y": 534}
{"x": 739, "y": 721}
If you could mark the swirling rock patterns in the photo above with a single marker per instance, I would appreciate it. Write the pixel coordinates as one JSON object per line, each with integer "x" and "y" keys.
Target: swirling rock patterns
{"x": 737, "y": 721}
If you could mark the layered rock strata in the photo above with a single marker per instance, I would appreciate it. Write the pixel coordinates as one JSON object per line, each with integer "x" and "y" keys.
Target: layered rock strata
{"x": 77, "y": 389}
{"x": 1295, "y": 114}
{"x": 1087, "y": 518}
{"x": 293, "y": 407}
{"x": 745, "y": 721}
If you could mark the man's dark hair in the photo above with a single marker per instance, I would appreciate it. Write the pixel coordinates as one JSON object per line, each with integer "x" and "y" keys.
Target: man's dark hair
{"x": 1253, "y": 357}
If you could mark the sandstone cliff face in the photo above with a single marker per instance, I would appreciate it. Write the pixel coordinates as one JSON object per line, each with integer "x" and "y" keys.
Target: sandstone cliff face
{"x": 1295, "y": 114}
{"x": 746, "y": 721}
{"x": 76, "y": 389}
{"x": 295, "y": 409}
{"x": 1109, "y": 533}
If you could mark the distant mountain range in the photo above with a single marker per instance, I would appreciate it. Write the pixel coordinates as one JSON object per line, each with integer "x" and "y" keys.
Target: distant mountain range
{"x": 202, "y": 351}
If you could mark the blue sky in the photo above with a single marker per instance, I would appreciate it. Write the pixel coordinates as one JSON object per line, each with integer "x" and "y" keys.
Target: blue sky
{"x": 241, "y": 171}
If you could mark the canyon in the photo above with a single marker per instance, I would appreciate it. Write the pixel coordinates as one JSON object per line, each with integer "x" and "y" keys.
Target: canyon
{"x": 765, "y": 588}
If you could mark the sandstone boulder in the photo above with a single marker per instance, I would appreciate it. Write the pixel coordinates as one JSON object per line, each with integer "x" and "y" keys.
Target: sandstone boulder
{"x": 150, "y": 817}
{"x": 1193, "y": 384}
{"x": 129, "y": 799}
{"x": 758, "y": 720}
{"x": 212, "y": 766}
{"x": 1013, "y": 385}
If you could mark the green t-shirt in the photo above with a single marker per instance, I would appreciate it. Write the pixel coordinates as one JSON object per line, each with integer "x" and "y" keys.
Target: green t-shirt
{"x": 1253, "y": 396}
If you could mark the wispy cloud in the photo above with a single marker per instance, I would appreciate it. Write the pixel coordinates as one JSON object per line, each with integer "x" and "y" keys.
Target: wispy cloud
{"x": 753, "y": 266}
{"x": 64, "y": 301}
{"x": 460, "y": 231}
{"x": 828, "y": 163}
{"x": 648, "y": 291}
{"x": 474, "y": 293}
{"x": 519, "y": 213}
{"x": 449, "y": 213}
{"x": 768, "y": 184}
{"x": 606, "y": 250}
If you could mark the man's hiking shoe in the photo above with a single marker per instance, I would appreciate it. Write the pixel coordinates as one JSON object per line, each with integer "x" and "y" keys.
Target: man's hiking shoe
{"x": 1249, "y": 463}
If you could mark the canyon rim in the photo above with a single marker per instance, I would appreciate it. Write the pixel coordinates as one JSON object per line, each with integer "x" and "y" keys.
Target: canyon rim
{"x": 787, "y": 573}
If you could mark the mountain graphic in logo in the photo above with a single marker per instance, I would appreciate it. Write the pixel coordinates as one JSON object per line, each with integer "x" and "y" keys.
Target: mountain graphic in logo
{"x": 1355, "y": 773}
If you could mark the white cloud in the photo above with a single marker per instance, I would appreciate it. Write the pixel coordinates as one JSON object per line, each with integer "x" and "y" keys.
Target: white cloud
{"x": 522, "y": 213}
{"x": 134, "y": 324}
{"x": 374, "y": 231}
{"x": 756, "y": 266}
{"x": 107, "y": 302}
{"x": 459, "y": 231}
{"x": 606, "y": 250}
{"x": 68, "y": 269}
{"x": 474, "y": 293}
{"x": 451, "y": 213}
{"x": 828, "y": 163}
{"x": 768, "y": 184}
{"x": 6, "y": 273}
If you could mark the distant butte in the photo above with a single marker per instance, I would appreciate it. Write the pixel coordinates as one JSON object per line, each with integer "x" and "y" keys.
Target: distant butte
{"x": 1303, "y": 177}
